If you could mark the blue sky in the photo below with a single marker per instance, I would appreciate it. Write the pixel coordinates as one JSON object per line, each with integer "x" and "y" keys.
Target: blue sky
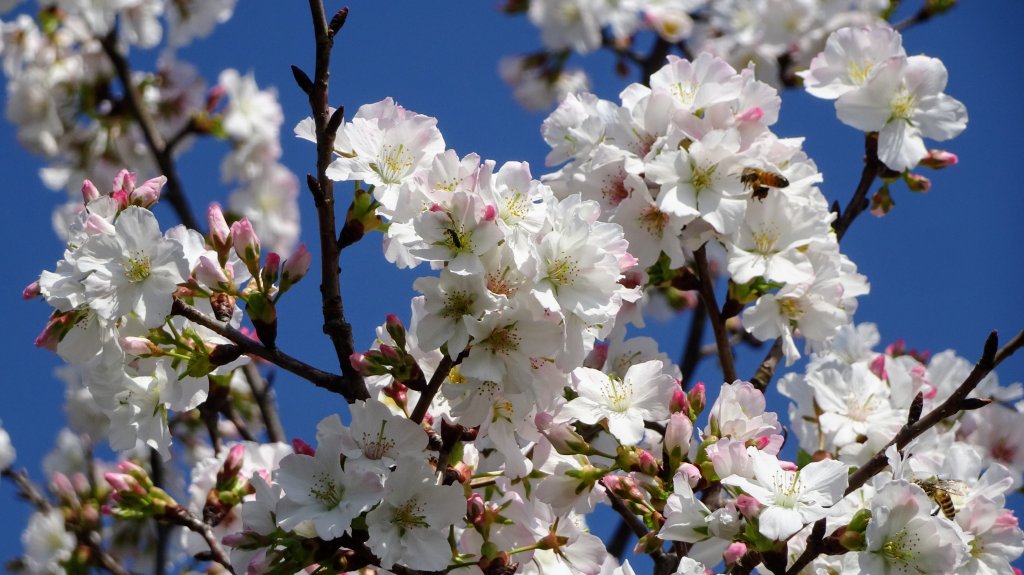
{"x": 945, "y": 267}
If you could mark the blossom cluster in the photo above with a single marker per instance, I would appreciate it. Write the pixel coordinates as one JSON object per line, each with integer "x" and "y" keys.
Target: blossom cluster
{"x": 62, "y": 100}
{"x": 515, "y": 402}
{"x": 692, "y": 161}
{"x": 779, "y": 36}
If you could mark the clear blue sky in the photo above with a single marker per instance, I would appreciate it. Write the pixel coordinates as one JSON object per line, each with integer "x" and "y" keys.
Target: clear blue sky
{"x": 945, "y": 267}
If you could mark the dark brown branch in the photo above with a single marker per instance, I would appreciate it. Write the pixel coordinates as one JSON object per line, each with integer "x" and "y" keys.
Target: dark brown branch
{"x": 617, "y": 545}
{"x": 163, "y": 532}
{"x": 632, "y": 521}
{"x": 320, "y": 378}
{"x": 707, "y": 293}
{"x": 990, "y": 358}
{"x": 434, "y": 385}
{"x": 692, "y": 352}
{"x": 335, "y": 326}
{"x": 654, "y": 60}
{"x": 265, "y": 402}
{"x": 154, "y": 141}
{"x": 26, "y": 489}
{"x": 185, "y": 518}
{"x": 763, "y": 376}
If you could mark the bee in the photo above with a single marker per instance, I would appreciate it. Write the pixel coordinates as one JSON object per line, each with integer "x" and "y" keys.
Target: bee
{"x": 940, "y": 491}
{"x": 454, "y": 236}
{"x": 760, "y": 180}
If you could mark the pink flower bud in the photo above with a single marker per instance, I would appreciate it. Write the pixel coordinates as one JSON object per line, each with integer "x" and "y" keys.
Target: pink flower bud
{"x": 214, "y": 96}
{"x": 490, "y": 213}
{"x": 788, "y": 466}
{"x": 877, "y": 367}
{"x": 220, "y": 233}
{"x": 691, "y": 473}
{"x": 296, "y": 266}
{"x": 148, "y": 193}
{"x": 476, "y": 509}
{"x": 233, "y": 463}
{"x": 119, "y": 481}
{"x": 679, "y": 402}
{"x": 748, "y": 506}
{"x": 271, "y": 269}
{"x": 246, "y": 244}
{"x": 50, "y": 336}
{"x": 209, "y": 273}
{"x": 31, "y": 291}
{"x": 678, "y": 432}
{"x": 133, "y": 345}
{"x": 917, "y": 183}
{"x": 597, "y": 356}
{"x": 697, "y": 397}
{"x": 759, "y": 443}
{"x": 89, "y": 191}
{"x": 648, "y": 464}
{"x": 301, "y": 447}
{"x": 938, "y": 159}
{"x": 734, "y": 552}
{"x": 389, "y": 352}
{"x": 124, "y": 182}
{"x": 359, "y": 363}
{"x": 62, "y": 486}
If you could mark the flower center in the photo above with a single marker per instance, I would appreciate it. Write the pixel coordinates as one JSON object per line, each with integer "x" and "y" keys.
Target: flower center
{"x": 654, "y": 221}
{"x": 903, "y": 105}
{"x": 859, "y": 71}
{"x": 563, "y": 271}
{"x": 685, "y": 94}
{"x": 378, "y": 447}
{"x": 393, "y": 162}
{"x": 137, "y": 267}
{"x": 896, "y": 548}
{"x": 326, "y": 491}
{"x": 503, "y": 340}
{"x": 457, "y": 304}
{"x": 791, "y": 308}
{"x": 618, "y": 392}
{"x": 702, "y": 176}
{"x": 765, "y": 240}
{"x": 410, "y": 515}
{"x": 787, "y": 487}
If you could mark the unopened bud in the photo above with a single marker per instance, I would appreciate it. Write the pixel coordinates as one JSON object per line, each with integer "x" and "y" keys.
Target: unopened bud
{"x": 565, "y": 440}
{"x": 698, "y": 399}
{"x": 271, "y": 270}
{"x": 691, "y": 472}
{"x": 210, "y": 273}
{"x": 678, "y": 433}
{"x": 89, "y": 191}
{"x": 124, "y": 182}
{"x": 246, "y": 244}
{"x": 648, "y": 464}
{"x": 220, "y": 233}
{"x": 597, "y": 356}
{"x": 232, "y": 464}
{"x": 148, "y": 193}
{"x": 31, "y": 291}
{"x": 917, "y": 183}
{"x": 679, "y": 402}
{"x": 295, "y": 267}
{"x": 877, "y": 367}
{"x": 748, "y": 506}
{"x": 138, "y": 346}
{"x": 938, "y": 159}
{"x": 396, "y": 330}
{"x": 301, "y": 447}
{"x": 734, "y": 552}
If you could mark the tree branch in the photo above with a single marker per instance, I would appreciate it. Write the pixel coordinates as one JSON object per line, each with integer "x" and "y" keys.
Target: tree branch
{"x": 707, "y": 293}
{"x": 26, "y": 489}
{"x": 183, "y": 517}
{"x": 990, "y": 358}
{"x": 434, "y": 385}
{"x": 692, "y": 352}
{"x": 335, "y": 326}
{"x": 265, "y": 402}
{"x": 328, "y": 381}
{"x": 160, "y": 151}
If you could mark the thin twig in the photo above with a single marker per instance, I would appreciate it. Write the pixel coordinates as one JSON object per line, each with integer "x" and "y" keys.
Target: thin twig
{"x": 990, "y": 358}
{"x": 181, "y": 516}
{"x": 335, "y": 325}
{"x": 163, "y": 532}
{"x": 263, "y": 395}
{"x": 707, "y": 293}
{"x": 160, "y": 151}
{"x": 27, "y": 490}
{"x": 692, "y": 353}
{"x": 434, "y": 385}
{"x": 320, "y": 378}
